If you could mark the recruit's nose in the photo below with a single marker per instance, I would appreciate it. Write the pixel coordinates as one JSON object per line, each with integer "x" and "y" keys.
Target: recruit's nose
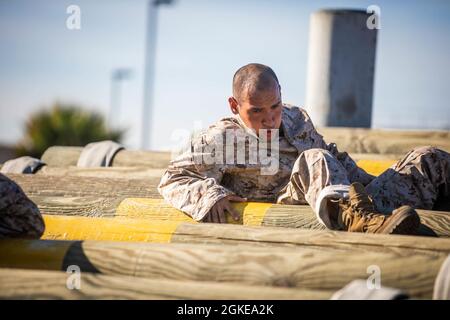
{"x": 269, "y": 122}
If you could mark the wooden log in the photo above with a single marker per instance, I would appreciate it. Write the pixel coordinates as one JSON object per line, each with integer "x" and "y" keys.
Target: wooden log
{"x": 72, "y": 195}
{"x": 144, "y": 230}
{"x": 381, "y": 141}
{"x": 89, "y": 206}
{"x": 353, "y": 140}
{"x": 372, "y": 166}
{"x": 434, "y": 223}
{"x": 306, "y": 268}
{"x": 138, "y": 158}
{"x": 32, "y": 284}
{"x": 60, "y": 156}
{"x": 106, "y": 172}
{"x": 73, "y": 186}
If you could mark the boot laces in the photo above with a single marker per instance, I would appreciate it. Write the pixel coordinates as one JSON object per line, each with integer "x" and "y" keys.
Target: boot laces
{"x": 362, "y": 204}
{"x": 360, "y": 209}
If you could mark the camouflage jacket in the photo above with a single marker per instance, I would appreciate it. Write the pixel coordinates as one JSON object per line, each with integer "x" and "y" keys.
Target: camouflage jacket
{"x": 194, "y": 186}
{"x": 19, "y": 216}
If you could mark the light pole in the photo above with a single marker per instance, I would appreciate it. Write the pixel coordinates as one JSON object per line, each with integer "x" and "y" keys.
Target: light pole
{"x": 150, "y": 52}
{"x": 117, "y": 75}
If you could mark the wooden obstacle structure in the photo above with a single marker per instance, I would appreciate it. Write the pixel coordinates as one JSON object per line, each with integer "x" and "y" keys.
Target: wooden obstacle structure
{"x": 392, "y": 144}
{"x": 130, "y": 244}
{"x": 303, "y": 268}
{"x": 53, "y": 285}
{"x": 61, "y": 156}
{"x": 142, "y": 230}
{"x": 71, "y": 195}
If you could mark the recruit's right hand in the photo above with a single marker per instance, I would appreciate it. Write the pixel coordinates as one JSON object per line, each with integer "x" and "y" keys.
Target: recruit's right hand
{"x": 217, "y": 213}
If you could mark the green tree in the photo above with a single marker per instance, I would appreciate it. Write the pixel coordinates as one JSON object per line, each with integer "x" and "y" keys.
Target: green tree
{"x": 64, "y": 125}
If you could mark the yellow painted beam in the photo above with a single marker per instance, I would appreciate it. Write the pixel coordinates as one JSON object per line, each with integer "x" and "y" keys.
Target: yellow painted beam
{"x": 252, "y": 212}
{"x": 111, "y": 229}
{"x": 375, "y": 167}
{"x": 133, "y": 223}
{"x": 263, "y": 214}
{"x": 147, "y": 230}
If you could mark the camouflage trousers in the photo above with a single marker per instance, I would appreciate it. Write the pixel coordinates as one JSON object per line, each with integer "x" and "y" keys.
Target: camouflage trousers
{"x": 19, "y": 216}
{"x": 417, "y": 180}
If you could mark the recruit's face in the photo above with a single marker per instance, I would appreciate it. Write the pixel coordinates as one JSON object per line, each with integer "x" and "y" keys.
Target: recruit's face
{"x": 262, "y": 110}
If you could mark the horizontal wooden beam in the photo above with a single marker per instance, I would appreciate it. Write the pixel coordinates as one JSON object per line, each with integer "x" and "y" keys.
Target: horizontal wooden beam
{"x": 307, "y": 268}
{"x": 103, "y": 172}
{"x": 72, "y": 195}
{"x": 145, "y": 230}
{"x": 76, "y": 186}
{"x": 372, "y": 166}
{"x": 383, "y": 141}
{"x": 38, "y": 284}
{"x": 436, "y": 223}
{"x": 356, "y": 141}
{"x": 61, "y": 156}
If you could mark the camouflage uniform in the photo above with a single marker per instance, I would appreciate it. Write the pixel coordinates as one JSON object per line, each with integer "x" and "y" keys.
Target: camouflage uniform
{"x": 310, "y": 172}
{"x": 19, "y": 216}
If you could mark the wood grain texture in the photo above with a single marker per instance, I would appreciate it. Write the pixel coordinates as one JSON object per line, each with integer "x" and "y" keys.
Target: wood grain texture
{"x": 391, "y": 144}
{"x": 381, "y": 141}
{"x": 135, "y": 229}
{"x": 80, "y": 193}
{"x": 88, "y": 206}
{"x": 61, "y": 156}
{"x": 104, "y": 172}
{"x": 275, "y": 266}
{"x": 73, "y": 186}
{"x": 32, "y": 284}
{"x": 270, "y": 236}
{"x": 139, "y": 158}
{"x": 436, "y": 223}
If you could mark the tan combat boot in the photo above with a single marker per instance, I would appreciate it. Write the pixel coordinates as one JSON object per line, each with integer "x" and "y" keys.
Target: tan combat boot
{"x": 357, "y": 214}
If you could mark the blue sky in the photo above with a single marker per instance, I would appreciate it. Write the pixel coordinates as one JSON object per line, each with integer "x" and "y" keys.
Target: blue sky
{"x": 200, "y": 44}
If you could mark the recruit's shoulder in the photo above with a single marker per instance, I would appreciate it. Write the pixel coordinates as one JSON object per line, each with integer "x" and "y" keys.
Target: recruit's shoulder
{"x": 296, "y": 119}
{"x": 219, "y": 128}
{"x": 225, "y": 123}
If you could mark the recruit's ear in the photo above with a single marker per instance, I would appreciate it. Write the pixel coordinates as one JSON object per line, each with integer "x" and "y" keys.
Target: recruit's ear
{"x": 233, "y": 105}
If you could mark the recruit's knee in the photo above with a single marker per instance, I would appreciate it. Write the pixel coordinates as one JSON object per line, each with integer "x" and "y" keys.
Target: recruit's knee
{"x": 311, "y": 156}
{"x": 427, "y": 152}
{"x": 423, "y": 150}
{"x": 315, "y": 152}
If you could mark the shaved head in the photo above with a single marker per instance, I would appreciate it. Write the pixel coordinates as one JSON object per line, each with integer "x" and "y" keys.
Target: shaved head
{"x": 257, "y": 97}
{"x": 252, "y": 79}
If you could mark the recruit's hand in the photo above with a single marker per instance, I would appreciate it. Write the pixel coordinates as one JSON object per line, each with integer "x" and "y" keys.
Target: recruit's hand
{"x": 217, "y": 213}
